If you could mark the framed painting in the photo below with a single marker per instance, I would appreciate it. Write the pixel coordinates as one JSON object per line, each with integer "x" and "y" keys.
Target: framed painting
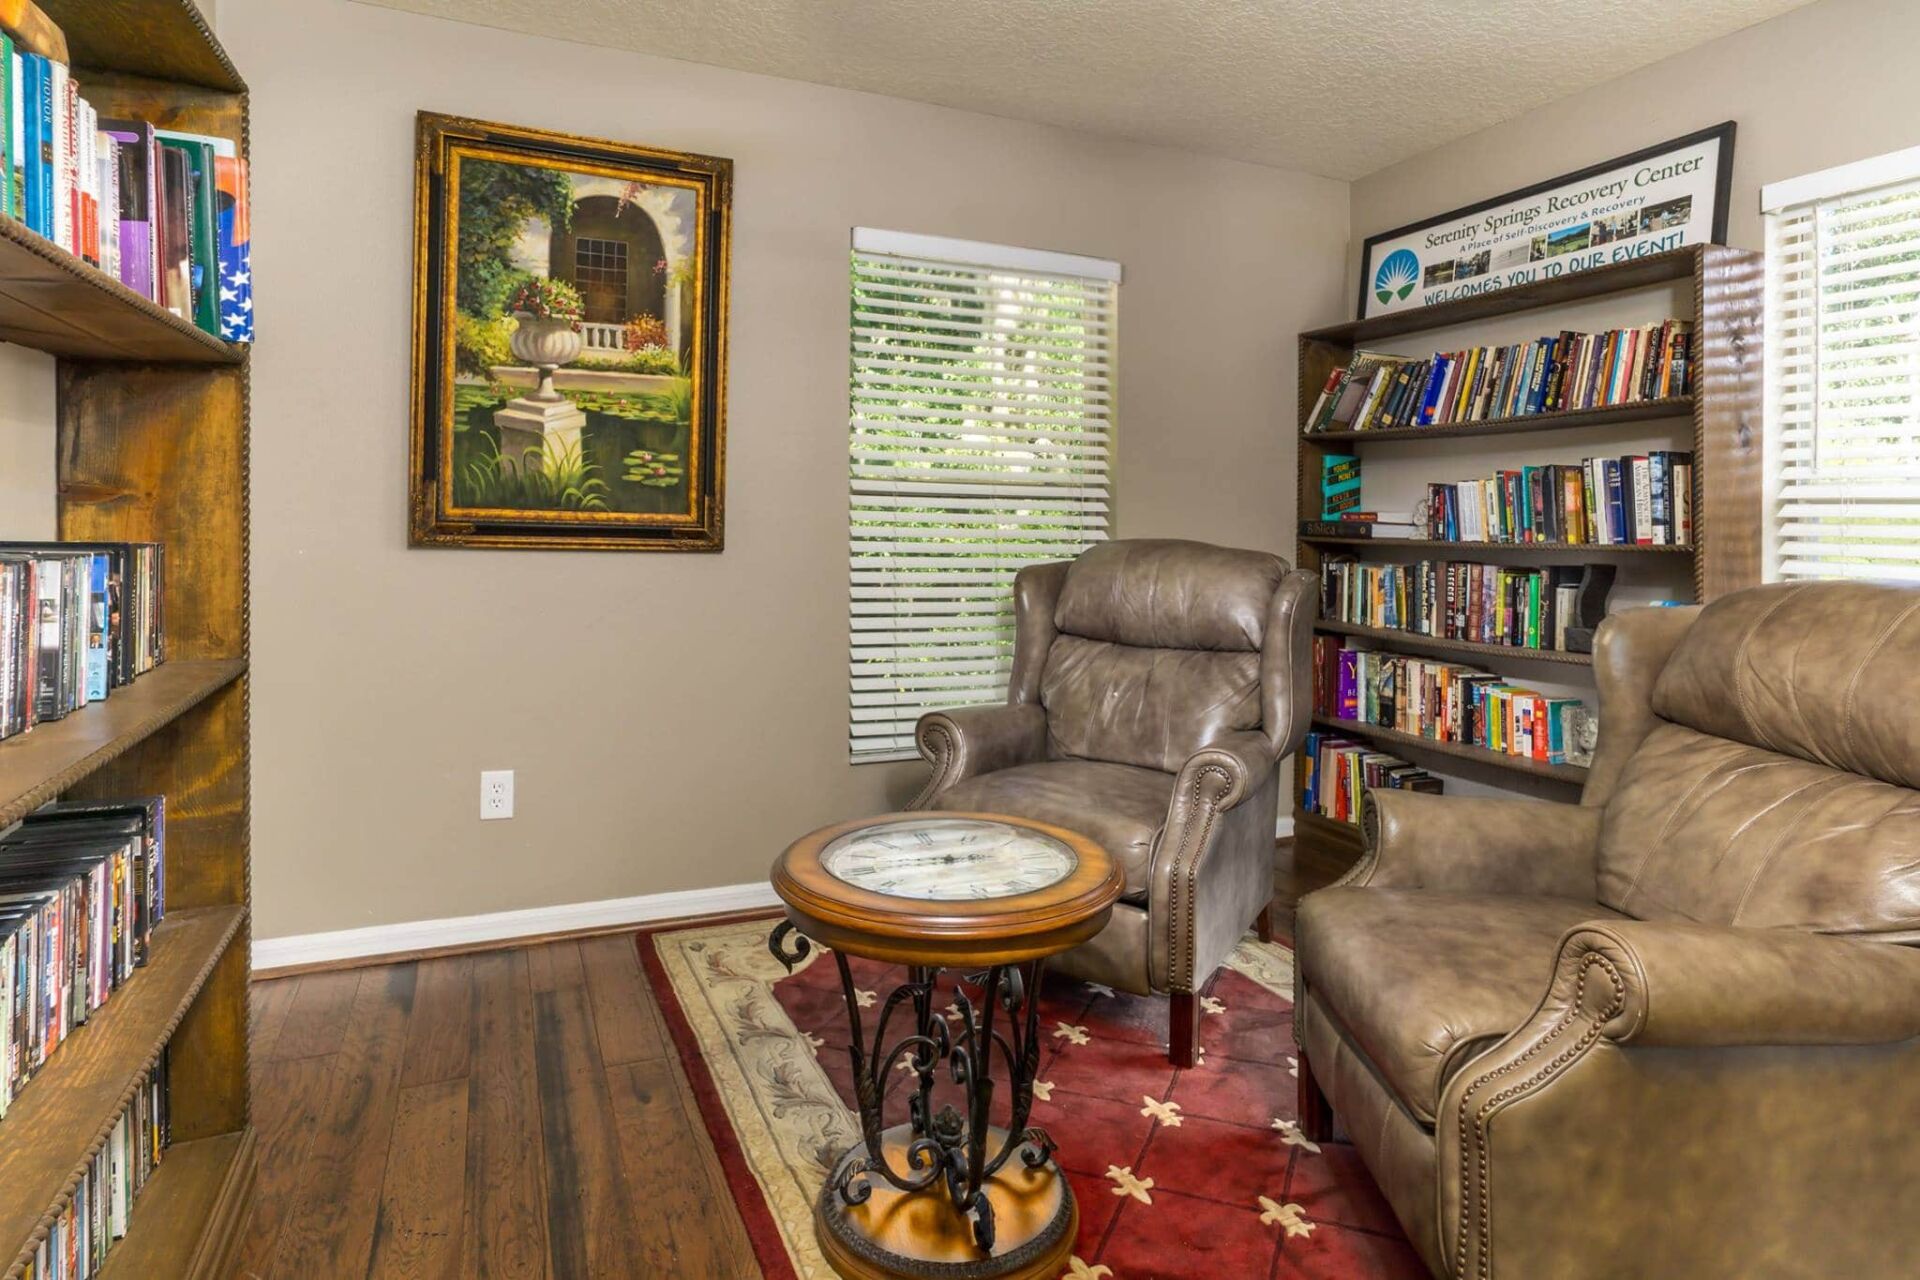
{"x": 569, "y": 341}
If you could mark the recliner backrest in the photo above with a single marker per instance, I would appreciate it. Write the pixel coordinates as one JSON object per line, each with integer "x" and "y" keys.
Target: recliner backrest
{"x": 1157, "y": 651}
{"x": 1777, "y": 787}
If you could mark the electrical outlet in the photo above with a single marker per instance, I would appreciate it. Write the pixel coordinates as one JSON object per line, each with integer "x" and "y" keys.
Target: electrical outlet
{"x": 496, "y": 794}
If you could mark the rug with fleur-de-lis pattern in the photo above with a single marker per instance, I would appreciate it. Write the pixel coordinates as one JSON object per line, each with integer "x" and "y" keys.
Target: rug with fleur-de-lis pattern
{"x": 1199, "y": 1174}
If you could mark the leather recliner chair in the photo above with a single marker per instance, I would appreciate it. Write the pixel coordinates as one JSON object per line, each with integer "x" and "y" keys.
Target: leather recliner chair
{"x": 1155, "y": 685}
{"x": 1672, "y": 1030}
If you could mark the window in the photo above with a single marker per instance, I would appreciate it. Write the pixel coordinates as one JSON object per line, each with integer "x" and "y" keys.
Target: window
{"x": 1843, "y": 371}
{"x": 981, "y": 436}
{"x": 600, "y": 270}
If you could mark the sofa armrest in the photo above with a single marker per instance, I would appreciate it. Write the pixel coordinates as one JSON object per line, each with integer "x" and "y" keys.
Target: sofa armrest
{"x": 1674, "y": 1063}
{"x": 1477, "y": 844}
{"x": 965, "y": 742}
{"x": 1684, "y": 985}
{"x": 1213, "y": 865}
{"x": 1223, "y": 773}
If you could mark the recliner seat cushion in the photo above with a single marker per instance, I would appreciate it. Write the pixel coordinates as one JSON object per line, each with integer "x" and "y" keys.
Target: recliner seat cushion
{"x": 1422, "y": 983}
{"x": 1716, "y": 831}
{"x": 1118, "y": 807}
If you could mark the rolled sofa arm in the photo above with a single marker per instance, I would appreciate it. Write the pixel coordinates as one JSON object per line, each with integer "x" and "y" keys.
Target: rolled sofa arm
{"x": 1671, "y": 984}
{"x": 966, "y": 742}
{"x": 1213, "y": 864}
{"x": 1675, "y": 1063}
{"x": 1477, "y": 844}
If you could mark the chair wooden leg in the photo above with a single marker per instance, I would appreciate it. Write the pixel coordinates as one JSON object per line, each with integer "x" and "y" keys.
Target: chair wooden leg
{"x": 1183, "y": 1030}
{"x": 1263, "y": 924}
{"x": 1316, "y": 1115}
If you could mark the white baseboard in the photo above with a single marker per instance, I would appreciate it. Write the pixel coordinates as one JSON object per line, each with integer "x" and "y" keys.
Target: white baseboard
{"x": 457, "y": 931}
{"x": 1283, "y": 829}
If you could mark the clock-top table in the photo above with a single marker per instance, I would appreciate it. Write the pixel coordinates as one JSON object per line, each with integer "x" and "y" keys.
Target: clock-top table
{"x": 948, "y": 1194}
{"x": 948, "y": 889}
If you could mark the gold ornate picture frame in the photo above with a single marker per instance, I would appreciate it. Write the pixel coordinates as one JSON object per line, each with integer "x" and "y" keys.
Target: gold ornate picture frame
{"x": 569, "y": 341}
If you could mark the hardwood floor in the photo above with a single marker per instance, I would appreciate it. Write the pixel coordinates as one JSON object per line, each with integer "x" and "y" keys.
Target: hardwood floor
{"x": 516, "y": 1113}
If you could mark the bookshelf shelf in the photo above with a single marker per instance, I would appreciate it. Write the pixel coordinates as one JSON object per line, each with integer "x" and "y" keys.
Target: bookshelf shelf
{"x": 158, "y": 39}
{"x": 1581, "y": 550}
{"x": 40, "y": 764}
{"x": 1639, "y": 411}
{"x": 1326, "y": 832}
{"x": 207, "y": 1180}
{"x": 53, "y": 302}
{"x": 152, "y": 440}
{"x": 1413, "y": 640}
{"x": 1572, "y": 774}
{"x": 1719, "y": 422}
{"x": 63, "y": 1115}
{"x": 1637, "y": 273}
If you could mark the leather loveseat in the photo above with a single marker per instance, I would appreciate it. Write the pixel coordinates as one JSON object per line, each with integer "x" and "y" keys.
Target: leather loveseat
{"x": 1673, "y": 1030}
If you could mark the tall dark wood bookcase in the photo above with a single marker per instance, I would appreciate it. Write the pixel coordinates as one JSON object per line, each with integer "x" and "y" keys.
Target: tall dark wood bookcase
{"x": 152, "y": 446}
{"x": 1725, "y": 413}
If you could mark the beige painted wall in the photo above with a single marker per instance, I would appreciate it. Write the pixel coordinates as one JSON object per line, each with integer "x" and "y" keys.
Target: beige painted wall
{"x": 674, "y": 720}
{"x": 1820, "y": 86}
{"x": 26, "y": 442}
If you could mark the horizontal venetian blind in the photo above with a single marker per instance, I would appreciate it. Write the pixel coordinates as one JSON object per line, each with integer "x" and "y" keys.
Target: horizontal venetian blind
{"x": 1843, "y": 374}
{"x": 981, "y": 441}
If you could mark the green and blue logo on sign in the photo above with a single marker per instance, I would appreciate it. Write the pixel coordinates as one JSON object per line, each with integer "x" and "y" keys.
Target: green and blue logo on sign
{"x": 1397, "y": 276}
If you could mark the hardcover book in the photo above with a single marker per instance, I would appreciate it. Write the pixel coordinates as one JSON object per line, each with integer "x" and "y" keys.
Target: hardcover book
{"x": 139, "y": 198}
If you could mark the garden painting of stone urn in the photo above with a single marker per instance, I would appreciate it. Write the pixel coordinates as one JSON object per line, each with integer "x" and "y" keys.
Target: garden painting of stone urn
{"x": 569, "y": 341}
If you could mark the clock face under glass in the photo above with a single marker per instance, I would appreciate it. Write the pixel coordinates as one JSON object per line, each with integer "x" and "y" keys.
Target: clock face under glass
{"x": 948, "y": 859}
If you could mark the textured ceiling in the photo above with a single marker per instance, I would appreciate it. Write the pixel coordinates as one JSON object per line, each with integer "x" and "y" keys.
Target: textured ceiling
{"x": 1335, "y": 87}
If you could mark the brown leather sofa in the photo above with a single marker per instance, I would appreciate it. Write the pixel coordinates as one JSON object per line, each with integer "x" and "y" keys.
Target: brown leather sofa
{"x": 1673, "y": 1030}
{"x": 1155, "y": 685}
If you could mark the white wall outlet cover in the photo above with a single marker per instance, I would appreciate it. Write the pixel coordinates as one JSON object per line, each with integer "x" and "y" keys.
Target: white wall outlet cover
{"x": 496, "y": 794}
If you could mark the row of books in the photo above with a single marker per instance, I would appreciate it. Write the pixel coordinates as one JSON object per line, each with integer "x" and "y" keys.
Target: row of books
{"x": 1444, "y": 701}
{"x": 82, "y": 885}
{"x": 96, "y": 1219}
{"x": 165, "y": 213}
{"x": 1570, "y": 370}
{"x": 77, "y": 620}
{"x": 1337, "y": 772}
{"x": 1526, "y": 608}
{"x": 1638, "y": 500}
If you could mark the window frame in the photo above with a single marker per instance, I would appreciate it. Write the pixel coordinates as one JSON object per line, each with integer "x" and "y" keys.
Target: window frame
{"x": 1025, "y": 424}
{"x": 1785, "y": 206}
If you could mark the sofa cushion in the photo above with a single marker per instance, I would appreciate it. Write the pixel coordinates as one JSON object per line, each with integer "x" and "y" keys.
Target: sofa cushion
{"x": 1152, "y": 708}
{"x": 1822, "y": 671}
{"x": 1118, "y": 807}
{"x": 1421, "y": 983}
{"x": 1155, "y": 593}
{"x": 1716, "y": 831}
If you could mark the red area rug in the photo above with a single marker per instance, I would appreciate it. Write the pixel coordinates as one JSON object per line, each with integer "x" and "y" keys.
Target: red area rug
{"x": 1180, "y": 1175}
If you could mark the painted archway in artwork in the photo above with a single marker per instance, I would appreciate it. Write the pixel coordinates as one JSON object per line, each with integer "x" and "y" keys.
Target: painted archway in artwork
{"x": 614, "y": 255}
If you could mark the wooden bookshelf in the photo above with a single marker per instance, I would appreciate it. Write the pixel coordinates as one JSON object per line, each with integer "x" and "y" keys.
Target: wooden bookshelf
{"x": 1574, "y": 775}
{"x": 152, "y": 441}
{"x": 1396, "y": 638}
{"x": 1450, "y": 549}
{"x": 1605, "y": 415}
{"x": 1719, "y": 421}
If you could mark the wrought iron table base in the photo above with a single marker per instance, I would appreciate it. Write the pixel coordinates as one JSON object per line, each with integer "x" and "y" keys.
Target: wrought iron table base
{"x": 949, "y": 1146}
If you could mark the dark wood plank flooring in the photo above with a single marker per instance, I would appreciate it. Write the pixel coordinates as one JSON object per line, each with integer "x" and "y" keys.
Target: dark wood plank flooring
{"x": 516, "y": 1113}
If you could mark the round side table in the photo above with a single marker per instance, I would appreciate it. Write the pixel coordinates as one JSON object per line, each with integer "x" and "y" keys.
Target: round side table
{"x": 947, "y": 1195}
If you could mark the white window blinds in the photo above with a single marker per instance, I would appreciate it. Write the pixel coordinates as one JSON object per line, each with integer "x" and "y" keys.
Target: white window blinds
{"x": 1843, "y": 372}
{"x": 981, "y": 440}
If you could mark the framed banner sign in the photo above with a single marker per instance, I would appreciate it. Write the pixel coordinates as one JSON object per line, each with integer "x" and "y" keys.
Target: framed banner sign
{"x": 1662, "y": 198}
